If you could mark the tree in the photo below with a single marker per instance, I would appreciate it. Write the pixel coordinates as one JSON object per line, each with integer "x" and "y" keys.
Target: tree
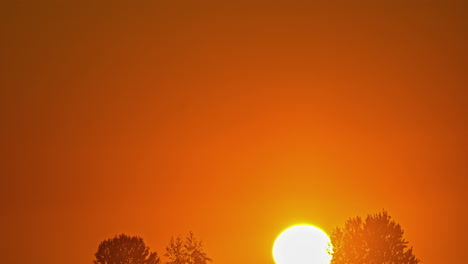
{"x": 189, "y": 251}
{"x": 124, "y": 249}
{"x": 376, "y": 240}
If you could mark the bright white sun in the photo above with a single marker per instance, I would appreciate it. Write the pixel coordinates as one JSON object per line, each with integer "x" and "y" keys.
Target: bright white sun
{"x": 302, "y": 244}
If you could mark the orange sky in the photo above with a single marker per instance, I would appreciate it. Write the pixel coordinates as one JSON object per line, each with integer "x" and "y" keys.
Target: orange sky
{"x": 234, "y": 120}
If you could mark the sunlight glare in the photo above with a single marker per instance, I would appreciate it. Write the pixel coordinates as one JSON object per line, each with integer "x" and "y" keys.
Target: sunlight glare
{"x": 302, "y": 244}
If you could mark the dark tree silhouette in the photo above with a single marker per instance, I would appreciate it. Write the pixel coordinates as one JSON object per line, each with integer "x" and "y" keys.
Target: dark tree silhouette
{"x": 375, "y": 240}
{"x": 124, "y": 249}
{"x": 189, "y": 251}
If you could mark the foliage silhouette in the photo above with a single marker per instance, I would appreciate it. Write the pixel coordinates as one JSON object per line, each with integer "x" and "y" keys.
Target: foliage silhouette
{"x": 124, "y": 249}
{"x": 189, "y": 251}
{"x": 377, "y": 239}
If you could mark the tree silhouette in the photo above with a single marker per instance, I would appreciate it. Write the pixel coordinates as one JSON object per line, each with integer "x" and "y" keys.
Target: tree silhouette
{"x": 124, "y": 249}
{"x": 189, "y": 251}
{"x": 377, "y": 239}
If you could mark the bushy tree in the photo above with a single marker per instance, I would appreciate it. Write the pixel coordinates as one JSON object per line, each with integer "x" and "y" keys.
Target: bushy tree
{"x": 125, "y": 249}
{"x": 375, "y": 240}
{"x": 188, "y": 251}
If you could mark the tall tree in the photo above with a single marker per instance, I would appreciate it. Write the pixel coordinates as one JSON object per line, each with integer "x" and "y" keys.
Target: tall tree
{"x": 189, "y": 251}
{"x": 377, "y": 239}
{"x": 125, "y": 249}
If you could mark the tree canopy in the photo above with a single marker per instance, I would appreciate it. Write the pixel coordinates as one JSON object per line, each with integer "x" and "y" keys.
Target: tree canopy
{"x": 188, "y": 251}
{"x": 377, "y": 239}
{"x": 125, "y": 249}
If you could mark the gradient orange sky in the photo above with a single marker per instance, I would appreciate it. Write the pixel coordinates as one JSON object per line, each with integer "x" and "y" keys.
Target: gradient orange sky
{"x": 234, "y": 119}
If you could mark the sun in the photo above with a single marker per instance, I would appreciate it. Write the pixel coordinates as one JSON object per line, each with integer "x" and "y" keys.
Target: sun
{"x": 302, "y": 244}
